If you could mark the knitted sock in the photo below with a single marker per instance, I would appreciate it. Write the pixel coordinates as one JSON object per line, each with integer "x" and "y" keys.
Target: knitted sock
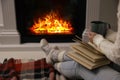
{"x": 57, "y": 66}
{"x": 55, "y": 55}
{"x": 49, "y": 57}
{"x": 52, "y": 54}
{"x": 45, "y": 46}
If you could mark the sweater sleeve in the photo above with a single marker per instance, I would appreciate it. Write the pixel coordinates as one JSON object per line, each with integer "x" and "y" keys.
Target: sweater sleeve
{"x": 110, "y": 49}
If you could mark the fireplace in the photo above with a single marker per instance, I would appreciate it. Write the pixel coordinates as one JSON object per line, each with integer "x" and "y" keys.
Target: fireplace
{"x": 55, "y": 20}
{"x": 9, "y": 34}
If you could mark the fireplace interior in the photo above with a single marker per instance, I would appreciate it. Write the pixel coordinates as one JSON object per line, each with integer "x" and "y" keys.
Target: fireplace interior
{"x": 55, "y": 20}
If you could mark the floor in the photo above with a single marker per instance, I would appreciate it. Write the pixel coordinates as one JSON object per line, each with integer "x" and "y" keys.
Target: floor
{"x": 28, "y": 50}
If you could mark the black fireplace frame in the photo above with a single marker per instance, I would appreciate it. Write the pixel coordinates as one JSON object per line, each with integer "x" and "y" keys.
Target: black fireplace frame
{"x": 78, "y": 21}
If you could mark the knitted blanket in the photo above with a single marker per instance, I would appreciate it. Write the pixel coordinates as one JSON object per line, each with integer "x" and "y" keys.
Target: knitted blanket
{"x": 21, "y": 69}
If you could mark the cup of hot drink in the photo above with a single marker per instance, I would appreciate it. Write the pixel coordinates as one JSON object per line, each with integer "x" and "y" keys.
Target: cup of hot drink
{"x": 99, "y": 27}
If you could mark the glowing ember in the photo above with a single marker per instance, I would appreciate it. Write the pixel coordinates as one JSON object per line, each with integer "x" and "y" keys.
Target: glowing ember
{"x": 51, "y": 24}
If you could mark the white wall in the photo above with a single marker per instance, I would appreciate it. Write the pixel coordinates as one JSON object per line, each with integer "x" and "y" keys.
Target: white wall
{"x": 92, "y": 11}
{"x": 103, "y": 10}
{"x": 108, "y": 12}
{"x": 1, "y": 16}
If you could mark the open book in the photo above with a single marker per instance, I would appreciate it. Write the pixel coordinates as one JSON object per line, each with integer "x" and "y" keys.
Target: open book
{"x": 88, "y": 56}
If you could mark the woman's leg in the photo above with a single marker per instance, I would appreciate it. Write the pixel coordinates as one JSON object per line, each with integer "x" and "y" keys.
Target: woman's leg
{"x": 73, "y": 70}
{"x": 107, "y": 73}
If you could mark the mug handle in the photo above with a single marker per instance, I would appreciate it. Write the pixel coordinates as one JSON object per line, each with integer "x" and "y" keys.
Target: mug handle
{"x": 108, "y": 26}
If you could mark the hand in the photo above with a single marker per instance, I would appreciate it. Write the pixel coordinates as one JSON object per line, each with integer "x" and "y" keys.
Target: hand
{"x": 91, "y": 36}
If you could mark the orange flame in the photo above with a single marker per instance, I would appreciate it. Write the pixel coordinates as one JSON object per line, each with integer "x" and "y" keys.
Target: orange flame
{"x": 51, "y": 24}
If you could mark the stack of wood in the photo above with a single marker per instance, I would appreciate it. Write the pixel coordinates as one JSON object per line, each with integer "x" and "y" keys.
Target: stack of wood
{"x": 87, "y": 55}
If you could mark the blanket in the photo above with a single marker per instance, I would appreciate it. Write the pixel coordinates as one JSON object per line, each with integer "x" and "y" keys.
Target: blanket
{"x": 19, "y": 69}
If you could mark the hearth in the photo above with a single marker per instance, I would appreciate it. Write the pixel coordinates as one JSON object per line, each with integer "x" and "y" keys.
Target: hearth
{"x": 55, "y": 20}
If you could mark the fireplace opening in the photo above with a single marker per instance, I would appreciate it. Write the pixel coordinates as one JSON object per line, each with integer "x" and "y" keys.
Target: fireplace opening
{"x": 55, "y": 20}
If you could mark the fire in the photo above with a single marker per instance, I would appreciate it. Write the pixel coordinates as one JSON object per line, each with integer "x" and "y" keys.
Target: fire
{"x": 51, "y": 24}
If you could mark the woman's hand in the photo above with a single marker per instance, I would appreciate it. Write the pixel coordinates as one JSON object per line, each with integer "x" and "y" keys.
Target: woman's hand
{"x": 91, "y": 36}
